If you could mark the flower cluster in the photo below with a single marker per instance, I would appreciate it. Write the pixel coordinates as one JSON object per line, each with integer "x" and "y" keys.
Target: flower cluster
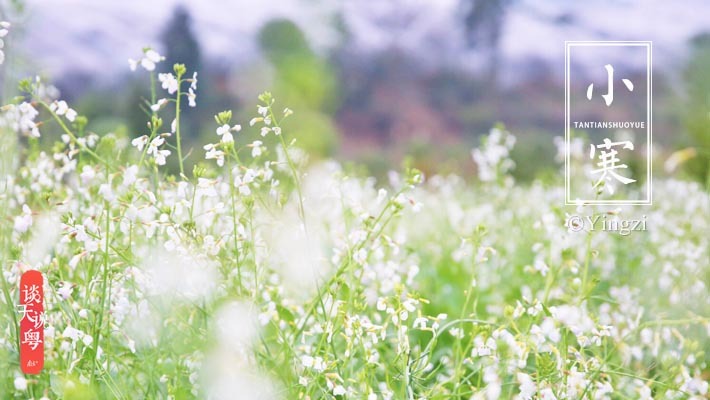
{"x": 4, "y": 30}
{"x": 493, "y": 158}
{"x": 148, "y": 61}
{"x": 62, "y": 109}
{"x": 263, "y": 276}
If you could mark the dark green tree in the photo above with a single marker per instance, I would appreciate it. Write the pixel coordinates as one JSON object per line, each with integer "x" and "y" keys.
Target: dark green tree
{"x": 181, "y": 46}
{"x": 483, "y": 23}
{"x": 179, "y": 42}
{"x": 304, "y": 79}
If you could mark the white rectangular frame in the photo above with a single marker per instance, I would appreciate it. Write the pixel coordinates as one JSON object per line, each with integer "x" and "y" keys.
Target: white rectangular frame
{"x": 649, "y": 113}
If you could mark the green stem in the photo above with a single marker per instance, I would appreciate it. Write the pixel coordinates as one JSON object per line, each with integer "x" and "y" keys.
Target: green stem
{"x": 152, "y": 89}
{"x": 105, "y": 290}
{"x": 4, "y": 250}
{"x": 71, "y": 134}
{"x": 292, "y": 167}
{"x": 153, "y": 130}
{"x": 372, "y": 234}
{"x": 234, "y": 226}
{"x": 177, "y": 125}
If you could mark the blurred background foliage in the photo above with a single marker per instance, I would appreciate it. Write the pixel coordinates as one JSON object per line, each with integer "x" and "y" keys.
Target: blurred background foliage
{"x": 381, "y": 106}
{"x": 696, "y": 118}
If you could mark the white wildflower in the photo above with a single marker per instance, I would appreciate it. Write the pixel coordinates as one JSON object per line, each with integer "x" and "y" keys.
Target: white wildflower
{"x": 24, "y": 221}
{"x": 21, "y": 118}
{"x": 159, "y": 104}
{"x": 191, "y": 97}
{"x": 242, "y": 182}
{"x": 20, "y": 383}
{"x": 168, "y": 82}
{"x": 493, "y": 158}
{"x": 193, "y": 81}
{"x": 4, "y": 30}
{"x": 106, "y": 192}
{"x": 214, "y": 154}
{"x": 65, "y": 290}
{"x": 223, "y": 131}
{"x": 339, "y": 390}
{"x": 130, "y": 175}
{"x": 159, "y": 155}
{"x": 257, "y": 148}
{"x": 420, "y": 323}
{"x": 547, "y": 394}
{"x": 140, "y": 142}
{"x": 527, "y": 386}
{"x": 62, "y": 108}
{"x": 148, "y": 61}
{"x": 153, "y": 56}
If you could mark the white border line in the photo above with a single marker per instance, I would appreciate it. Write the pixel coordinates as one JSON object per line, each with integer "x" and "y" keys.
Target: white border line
{"x": 649, "y": 121}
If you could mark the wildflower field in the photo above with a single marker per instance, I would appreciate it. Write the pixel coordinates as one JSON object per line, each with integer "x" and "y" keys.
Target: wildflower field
{"x": 259, "y": 274}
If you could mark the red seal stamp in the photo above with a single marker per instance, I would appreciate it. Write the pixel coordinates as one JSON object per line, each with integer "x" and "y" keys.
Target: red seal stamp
{"x": 31, "y": 310}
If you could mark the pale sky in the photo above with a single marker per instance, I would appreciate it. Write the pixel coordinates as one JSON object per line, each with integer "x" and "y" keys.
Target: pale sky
{"x": 98, "y": 36}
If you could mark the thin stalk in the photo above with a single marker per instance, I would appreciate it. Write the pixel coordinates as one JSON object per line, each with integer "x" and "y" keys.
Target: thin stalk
{"x": 105, "y": 288}
{"x": 177, "y": 125}
{"x": 71, "y": 134}
{"x": 346, "y": 263}
{"x": 153, "y": 113}
{"x": 5, "y": 249}
{"x": 292, "y": 167}
{"x": 234, "y": 225}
